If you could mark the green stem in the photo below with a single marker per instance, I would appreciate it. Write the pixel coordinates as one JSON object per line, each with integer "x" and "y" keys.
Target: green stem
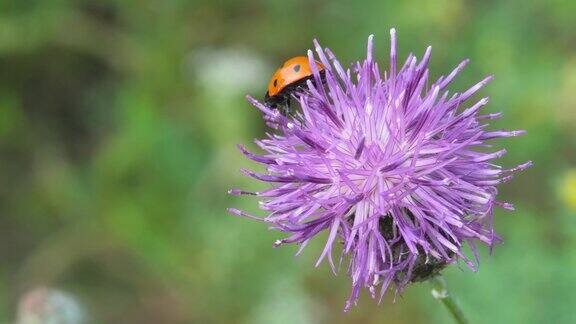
{"x": 440, "y": 292}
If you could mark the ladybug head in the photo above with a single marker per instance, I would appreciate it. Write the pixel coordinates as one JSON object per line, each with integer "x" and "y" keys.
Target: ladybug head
{"x": 275, "y": 101}
{"x": 280, "y": 102}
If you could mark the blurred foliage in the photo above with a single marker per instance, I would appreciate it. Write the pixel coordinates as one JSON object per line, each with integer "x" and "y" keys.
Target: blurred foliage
{"x": 118, "y": 125}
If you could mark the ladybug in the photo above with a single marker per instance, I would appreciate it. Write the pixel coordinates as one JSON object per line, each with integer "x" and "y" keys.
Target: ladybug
{"x": 290, "y": 77}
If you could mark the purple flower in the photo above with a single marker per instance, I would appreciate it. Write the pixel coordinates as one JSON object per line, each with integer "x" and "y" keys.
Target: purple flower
{"x": 397, "y": 170}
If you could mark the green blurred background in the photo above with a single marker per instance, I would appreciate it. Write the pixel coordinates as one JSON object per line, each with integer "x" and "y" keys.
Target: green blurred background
{"x": 118, "y": 125}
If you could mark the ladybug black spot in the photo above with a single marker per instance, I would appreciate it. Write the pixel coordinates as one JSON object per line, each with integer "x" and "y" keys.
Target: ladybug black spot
{"x": 275, "y": 82}
{"x": 296, "y": 67}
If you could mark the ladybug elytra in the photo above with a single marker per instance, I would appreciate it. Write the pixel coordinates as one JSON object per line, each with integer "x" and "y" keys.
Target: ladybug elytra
{"x": 291, "y": 76}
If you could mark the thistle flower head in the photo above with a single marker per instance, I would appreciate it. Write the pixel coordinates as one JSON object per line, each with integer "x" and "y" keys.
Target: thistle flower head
{"x": 396, "y": 169}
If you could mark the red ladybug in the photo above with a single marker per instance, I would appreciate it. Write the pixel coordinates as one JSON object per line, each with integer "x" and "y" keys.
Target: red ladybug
{"x": 291, "y": 76}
